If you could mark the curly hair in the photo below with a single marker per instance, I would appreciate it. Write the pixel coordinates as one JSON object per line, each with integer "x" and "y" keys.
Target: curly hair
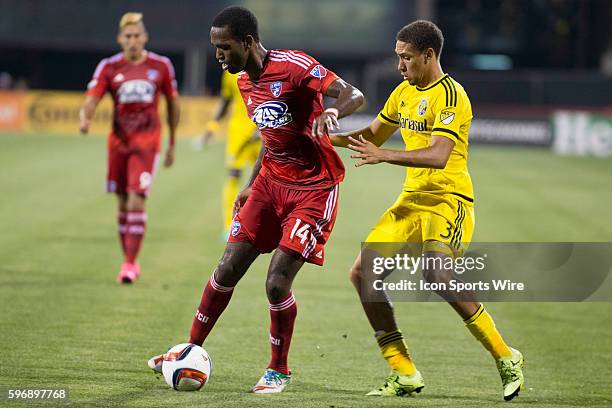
{"x": 240, "y": 22}
{"x": 422, "y": 34}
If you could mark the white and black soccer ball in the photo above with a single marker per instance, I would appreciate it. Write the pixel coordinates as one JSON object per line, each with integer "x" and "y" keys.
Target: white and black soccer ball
{"x": 186, "y": 367}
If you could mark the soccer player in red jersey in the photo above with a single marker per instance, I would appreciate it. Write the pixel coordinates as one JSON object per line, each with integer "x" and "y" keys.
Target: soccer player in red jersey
{"x": 289, "y": 205}
{"x": 134, "y": 78}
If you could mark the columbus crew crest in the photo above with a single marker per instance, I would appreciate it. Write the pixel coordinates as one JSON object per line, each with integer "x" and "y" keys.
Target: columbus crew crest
{"x": 422, "y": 107}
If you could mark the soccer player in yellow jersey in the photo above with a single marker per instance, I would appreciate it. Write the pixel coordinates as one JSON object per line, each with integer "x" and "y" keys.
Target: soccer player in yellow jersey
{"x": 436, "y": 207}
{"x": 243, "y": 143}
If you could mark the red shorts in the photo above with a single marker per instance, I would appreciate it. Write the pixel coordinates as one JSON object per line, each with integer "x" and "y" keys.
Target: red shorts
{"x": 131, "y": 170}
{"x": 275, "y": 216}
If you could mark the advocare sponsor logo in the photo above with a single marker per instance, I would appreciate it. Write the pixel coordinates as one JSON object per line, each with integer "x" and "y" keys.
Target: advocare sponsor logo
{"x": 48, "y": 110}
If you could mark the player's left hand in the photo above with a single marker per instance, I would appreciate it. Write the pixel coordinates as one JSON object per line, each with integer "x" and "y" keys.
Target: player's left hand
{"x": 367, "y": 152}
{"x": 169, "y": 157}
{"x": 325, "y": 123}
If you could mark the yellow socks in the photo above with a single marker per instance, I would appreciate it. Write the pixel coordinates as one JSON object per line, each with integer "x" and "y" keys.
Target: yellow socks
{"x": 483, "y": 328}
{"x": 395, "y": 351}
{"x": 230, "y": 192}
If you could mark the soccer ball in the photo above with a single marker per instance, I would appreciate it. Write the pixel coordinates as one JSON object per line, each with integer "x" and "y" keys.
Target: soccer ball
{"x": 186, "y": 367}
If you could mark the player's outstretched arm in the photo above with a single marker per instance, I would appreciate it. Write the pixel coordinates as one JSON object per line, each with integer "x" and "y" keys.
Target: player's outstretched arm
{"x": 348, "y": 99}
{"x": 86, "y": 113}
{"x": 434, "y": 156}
{"x": 174, "y": 115}
{"x": 376, "y": 132}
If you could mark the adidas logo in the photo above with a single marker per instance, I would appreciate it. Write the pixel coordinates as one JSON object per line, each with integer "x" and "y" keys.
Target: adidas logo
{"x": 319, "y": 254}
{"x": 119, "y": 77}
{"x": 249, "y": 102}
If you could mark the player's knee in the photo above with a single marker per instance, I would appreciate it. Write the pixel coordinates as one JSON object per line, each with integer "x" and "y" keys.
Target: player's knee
{"x": 276, "y": 290}
{"x": 228, "y": 273}
{"x": 437, "y": 275}
{"x": 355, "y": 275}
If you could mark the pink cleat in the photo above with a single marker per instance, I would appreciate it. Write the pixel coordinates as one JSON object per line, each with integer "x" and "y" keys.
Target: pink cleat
{"x": 129, "y": 272}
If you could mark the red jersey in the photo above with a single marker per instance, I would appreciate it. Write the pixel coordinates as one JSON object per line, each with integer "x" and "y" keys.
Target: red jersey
{"x": 283, "y": 102}
{"x": 135, "y": 90}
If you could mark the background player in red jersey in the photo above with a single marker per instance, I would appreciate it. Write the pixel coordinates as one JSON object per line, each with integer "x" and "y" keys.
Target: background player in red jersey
{"x": 290, "y": 203}
{"x": 134, "y": 78}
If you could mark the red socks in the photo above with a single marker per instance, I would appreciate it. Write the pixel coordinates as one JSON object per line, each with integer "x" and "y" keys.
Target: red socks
{"x": 122, "y": 224}
{"x": 135, "y": 229}
{"x": 214, "y": 301}
{"x": 282, "y": 320}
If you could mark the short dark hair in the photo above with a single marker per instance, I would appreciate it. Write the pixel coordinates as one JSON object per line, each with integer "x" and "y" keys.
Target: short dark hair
{"x": 239, "y": 20}
{"x": 422, "y": 34}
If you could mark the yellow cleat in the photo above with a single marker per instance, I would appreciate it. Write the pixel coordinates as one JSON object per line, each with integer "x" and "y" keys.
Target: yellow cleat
{"x": 397, "y": 385}
{"x": 511, "y": 372}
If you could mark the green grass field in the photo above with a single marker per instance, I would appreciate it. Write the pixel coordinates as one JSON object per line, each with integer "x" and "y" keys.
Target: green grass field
{"x": 66, "y": 323}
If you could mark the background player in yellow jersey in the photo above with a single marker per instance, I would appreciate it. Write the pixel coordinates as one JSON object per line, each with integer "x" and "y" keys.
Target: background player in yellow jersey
{"x": 435, "y": 208}
{"x": 242, "y": 145}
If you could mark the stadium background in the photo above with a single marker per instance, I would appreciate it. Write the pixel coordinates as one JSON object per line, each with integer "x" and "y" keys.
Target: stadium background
{"x": 539, "y": 74}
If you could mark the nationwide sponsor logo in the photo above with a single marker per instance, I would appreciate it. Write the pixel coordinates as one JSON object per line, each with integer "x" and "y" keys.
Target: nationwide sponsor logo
{"x": 235, "y": 228}
{"x": 271, "y": 114}
{"x": 152, "y": 74}
{"x": 447, "y": 117}
{"x": 318, "y": 72}
{"x": 136, "y": 91}
{"x": 422, "y": 107}
{"x": 276, "y": 88}
{"x": 411, "y": 124}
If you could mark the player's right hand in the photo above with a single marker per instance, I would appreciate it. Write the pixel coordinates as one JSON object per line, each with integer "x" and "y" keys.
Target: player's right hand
{"x": 83, "y": 123}
{"x": 240, "y": 200}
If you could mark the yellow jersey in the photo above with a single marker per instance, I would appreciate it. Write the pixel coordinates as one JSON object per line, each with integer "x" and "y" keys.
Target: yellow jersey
{"x": 239, "y": 121}
{"x": 441, "y": 109}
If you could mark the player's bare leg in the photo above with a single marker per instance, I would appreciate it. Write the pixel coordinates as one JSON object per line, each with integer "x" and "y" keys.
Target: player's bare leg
{"x": 236, "y": 260}
{"x": 405, "y": 379}
{"x": 135, "y": 226}
{"x": 478, "y": 321}
{"x": 283, "y": 268}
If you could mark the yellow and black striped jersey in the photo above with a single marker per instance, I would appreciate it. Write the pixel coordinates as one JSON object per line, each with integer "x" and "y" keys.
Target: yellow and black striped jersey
{"x": 441, "y": 109}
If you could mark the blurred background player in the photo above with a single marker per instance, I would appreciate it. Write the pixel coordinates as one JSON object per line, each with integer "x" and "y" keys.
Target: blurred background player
{"x": 134, "y": 78}
{"x": 242, "y": 144}
{"x": 289, "y": 206}
{"x": 435, "y": 209}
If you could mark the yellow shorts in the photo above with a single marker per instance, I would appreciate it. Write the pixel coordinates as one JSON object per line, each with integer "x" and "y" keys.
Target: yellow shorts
{"x": 241, "y": 148}
{"x": 440, "y": 222}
